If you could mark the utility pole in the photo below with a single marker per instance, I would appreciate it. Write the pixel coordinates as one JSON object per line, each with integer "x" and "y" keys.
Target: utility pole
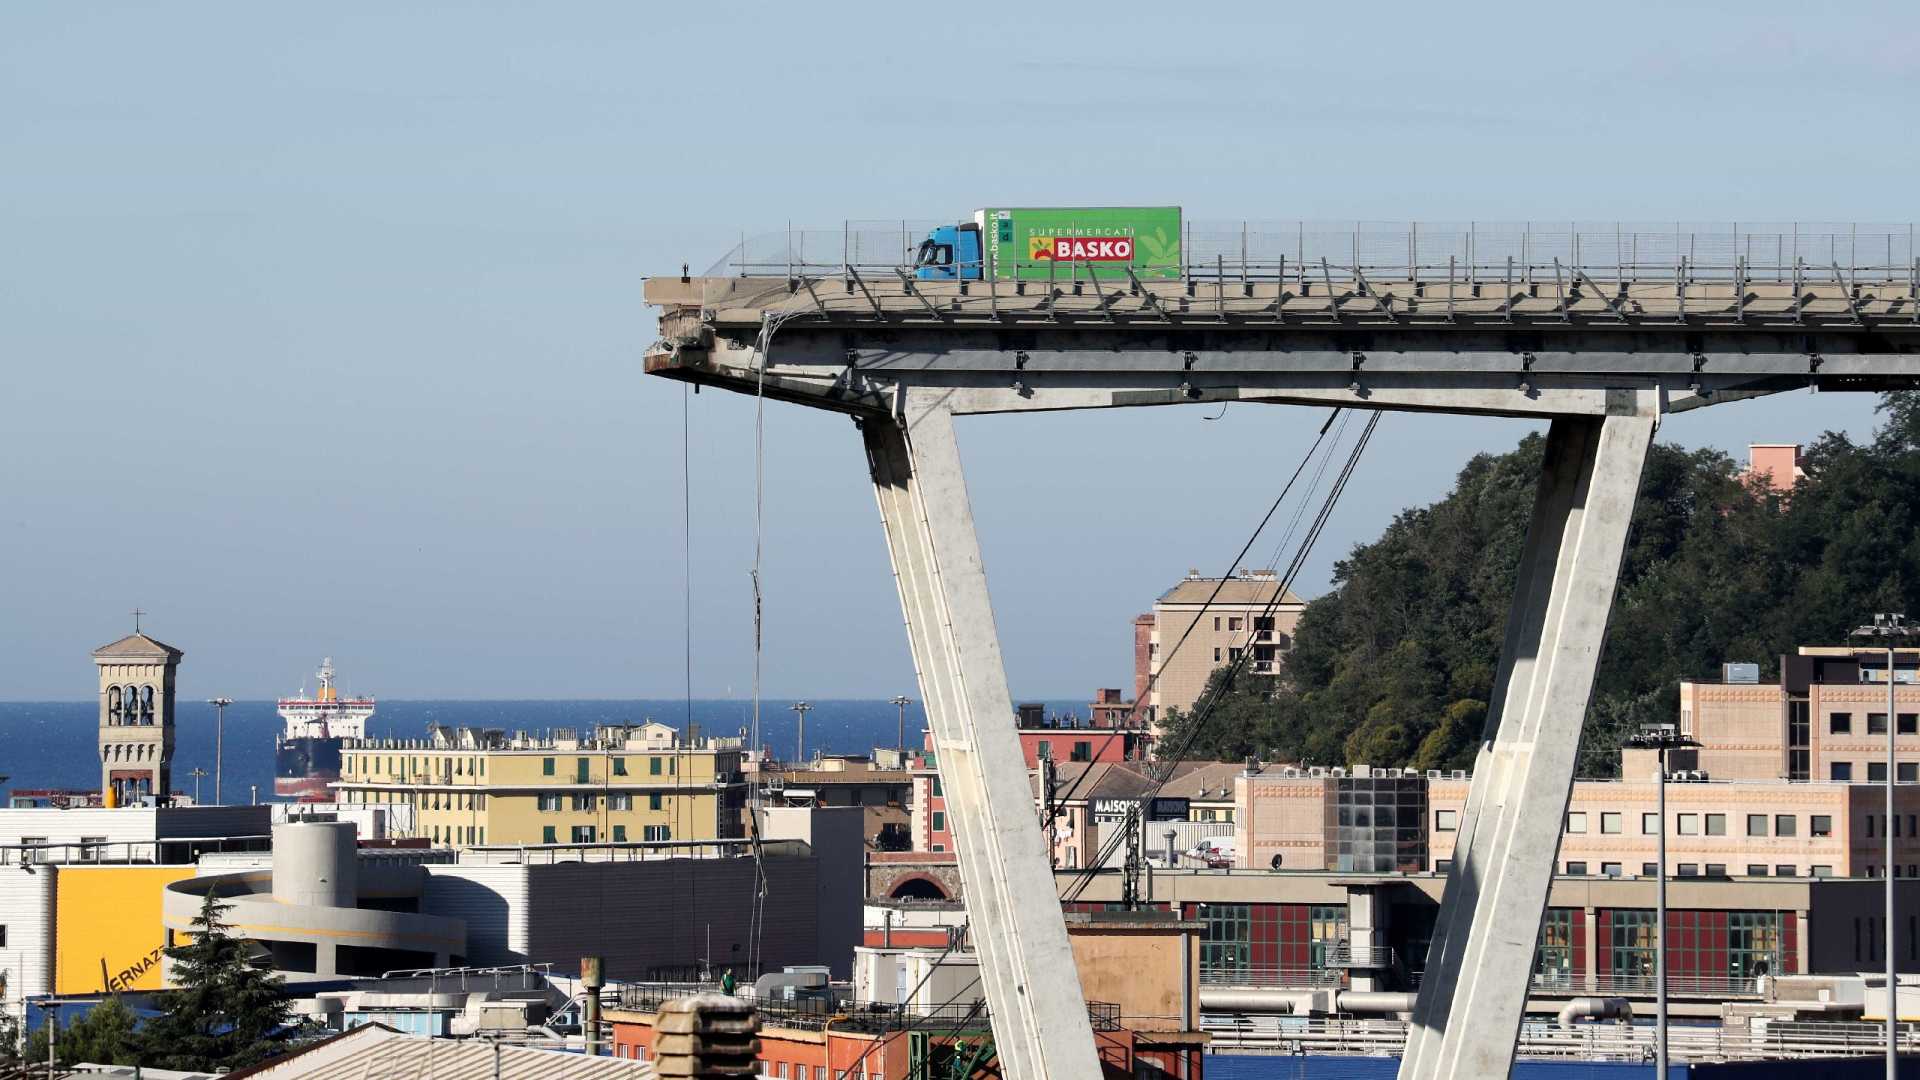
{"x": 901, "y": 702}
{"x": 1049, "y": 813}
{"x": 1660, "y": 738}
{"x": 801, "y": 709}
{"x": 1130, "y": 887}
{"x": 1890, "y": 628}
{"x": 197, "y": 773}
{"x": 219, "y": 743}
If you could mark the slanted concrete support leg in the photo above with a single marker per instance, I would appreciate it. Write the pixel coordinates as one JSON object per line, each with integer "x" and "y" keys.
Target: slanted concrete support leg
{"x": 1040, "y": 1025}
{"x": 1467, "y": 1018}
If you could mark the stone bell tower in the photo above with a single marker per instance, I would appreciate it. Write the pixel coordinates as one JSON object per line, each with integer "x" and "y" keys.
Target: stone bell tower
{"x": 136, "y": 718}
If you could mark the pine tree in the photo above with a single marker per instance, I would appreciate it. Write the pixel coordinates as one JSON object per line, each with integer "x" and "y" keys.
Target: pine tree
{"x": 226, "y": 1012}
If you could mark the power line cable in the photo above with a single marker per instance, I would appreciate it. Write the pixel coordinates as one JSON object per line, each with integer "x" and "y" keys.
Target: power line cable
{"x": 1154, "y": 678}
{"x": 1236, "y": 666}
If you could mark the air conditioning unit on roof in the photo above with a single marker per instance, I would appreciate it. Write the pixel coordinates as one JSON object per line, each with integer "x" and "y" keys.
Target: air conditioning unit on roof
{"x": 1459, "y": 774}
{"x": 1338, "y": 773}
{"x": 1433, "y": 774}
{"x": 1317, "y": 771}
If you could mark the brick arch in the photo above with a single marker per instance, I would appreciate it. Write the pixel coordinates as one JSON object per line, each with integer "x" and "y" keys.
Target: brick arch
{"x": 918, "y": 887}
{"x": 887, "y": 871}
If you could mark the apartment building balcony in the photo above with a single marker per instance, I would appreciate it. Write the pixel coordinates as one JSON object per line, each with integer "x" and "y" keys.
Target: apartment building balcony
{"x": 1273, "y": 976}
{"x": 1360, "y": 957}
{"x": 1707, "y": 987}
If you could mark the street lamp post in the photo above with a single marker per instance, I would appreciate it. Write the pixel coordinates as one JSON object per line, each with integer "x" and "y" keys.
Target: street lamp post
{"x": 901, "y": 703}
{"x": 1890, "y": 628}
{"x": 801, "y": 709}
{"x": 219, "y": 743}
{"x": 1660, "y": 738}
{"x": 197, "y": 773}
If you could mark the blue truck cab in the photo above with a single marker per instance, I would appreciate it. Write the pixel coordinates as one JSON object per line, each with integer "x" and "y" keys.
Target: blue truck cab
{"x": 950, "y": 252}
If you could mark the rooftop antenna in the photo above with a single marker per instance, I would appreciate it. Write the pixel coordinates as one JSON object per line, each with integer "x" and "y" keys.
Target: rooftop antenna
{"x": 802, "y": 709}
{"x": 219, "y": 746}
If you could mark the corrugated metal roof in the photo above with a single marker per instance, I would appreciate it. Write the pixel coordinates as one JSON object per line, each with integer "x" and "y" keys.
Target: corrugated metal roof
{"x": 375, "y": 1052}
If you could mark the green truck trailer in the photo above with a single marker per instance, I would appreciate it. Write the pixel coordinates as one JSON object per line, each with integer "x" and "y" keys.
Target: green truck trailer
{"x": 1055, "y": 243}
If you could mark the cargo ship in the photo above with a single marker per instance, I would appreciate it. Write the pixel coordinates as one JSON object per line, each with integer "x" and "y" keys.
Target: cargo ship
{"x": 306, "y": 756}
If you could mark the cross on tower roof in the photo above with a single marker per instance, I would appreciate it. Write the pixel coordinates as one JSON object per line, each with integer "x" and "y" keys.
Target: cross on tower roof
{"x": 136, "y": 619}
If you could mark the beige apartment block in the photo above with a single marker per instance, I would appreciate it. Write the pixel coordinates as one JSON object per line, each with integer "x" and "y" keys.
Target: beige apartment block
{"x": 1251, "y": 611}
{"x": 1824, "y": 719}
{"x": 1714, "y": 828}
{"x": 1280, "y": 817}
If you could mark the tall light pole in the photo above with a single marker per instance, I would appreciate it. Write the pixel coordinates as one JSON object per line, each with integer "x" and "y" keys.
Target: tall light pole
{"x": 1890, "y": 628}
{"x": 1660, "y": 738}
{"x": 197, "y": 773}
{"x": 801, "y": 709}
{"x": 219, "y": 744}
{"x": 901, "y": 703}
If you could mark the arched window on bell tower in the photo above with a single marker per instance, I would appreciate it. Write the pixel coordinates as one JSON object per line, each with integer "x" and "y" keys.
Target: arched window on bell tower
{"x": 146, "y": 705}
{"x": 113, "y": 705}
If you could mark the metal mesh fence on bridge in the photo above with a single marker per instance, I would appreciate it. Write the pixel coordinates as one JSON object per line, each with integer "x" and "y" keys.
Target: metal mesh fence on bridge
{"x": 1416, "y": 251}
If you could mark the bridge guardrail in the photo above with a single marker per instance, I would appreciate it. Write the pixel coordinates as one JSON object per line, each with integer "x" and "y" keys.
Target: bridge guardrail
{"x": 1602, "y": 1041}
{"x": 1529, "y": 252}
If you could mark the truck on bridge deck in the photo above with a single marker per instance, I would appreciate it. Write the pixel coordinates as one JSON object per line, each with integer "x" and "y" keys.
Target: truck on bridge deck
{"x": 1049, "y": 243}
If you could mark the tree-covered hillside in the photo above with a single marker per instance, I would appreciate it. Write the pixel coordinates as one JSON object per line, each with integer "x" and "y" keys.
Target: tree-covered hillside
{"x": 1395, "y": 665}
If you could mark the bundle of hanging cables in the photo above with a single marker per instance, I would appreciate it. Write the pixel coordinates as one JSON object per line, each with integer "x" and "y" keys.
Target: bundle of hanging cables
{"x": 1292, "y": 526}
{"x": 1209, "y": 706}
{"x": 1204, "y": 712}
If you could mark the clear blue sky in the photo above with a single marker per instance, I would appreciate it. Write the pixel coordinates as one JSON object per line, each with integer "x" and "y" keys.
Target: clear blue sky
{"x": 321, "y": 325}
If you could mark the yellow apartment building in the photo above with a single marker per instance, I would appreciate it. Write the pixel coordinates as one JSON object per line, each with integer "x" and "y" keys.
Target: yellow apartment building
{"x": 618, "y": 784}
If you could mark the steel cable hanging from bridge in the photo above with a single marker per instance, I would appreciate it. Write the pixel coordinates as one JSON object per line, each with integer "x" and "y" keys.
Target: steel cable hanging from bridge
{"x": 1154, "y": 679}
{"x": 686, "y": 724}
{"x": 1236, "y": 667}
{"x": 770, "y": 323}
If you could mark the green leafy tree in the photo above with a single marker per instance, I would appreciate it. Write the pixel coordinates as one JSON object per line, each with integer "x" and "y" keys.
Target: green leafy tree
{"x": 226, "y": 1012}
{"x": 104, "y": 1035}
{"x": 1397, "y": 663}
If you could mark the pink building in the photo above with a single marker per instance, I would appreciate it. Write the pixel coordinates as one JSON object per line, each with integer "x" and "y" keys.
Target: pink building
{"x": 1778, "y": 464}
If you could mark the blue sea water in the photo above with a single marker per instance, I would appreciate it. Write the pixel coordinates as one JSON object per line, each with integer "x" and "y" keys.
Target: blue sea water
{"x": 53, "y": 744}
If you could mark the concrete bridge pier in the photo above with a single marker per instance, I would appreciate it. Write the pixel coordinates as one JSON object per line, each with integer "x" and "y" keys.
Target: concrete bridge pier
{"x": 1467, "y": 1017}
{"x": 1032, "y": 985}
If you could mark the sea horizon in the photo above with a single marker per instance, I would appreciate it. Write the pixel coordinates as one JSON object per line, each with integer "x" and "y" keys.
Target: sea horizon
{"x": 54, "y": 744}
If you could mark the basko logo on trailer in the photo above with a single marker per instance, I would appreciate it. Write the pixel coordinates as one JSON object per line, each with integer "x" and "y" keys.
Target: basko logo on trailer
{"x": 1080, "y": 248}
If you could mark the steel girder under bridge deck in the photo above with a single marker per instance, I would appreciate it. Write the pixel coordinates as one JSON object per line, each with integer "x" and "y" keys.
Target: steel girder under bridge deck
{"x": 1604, "y": 360}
